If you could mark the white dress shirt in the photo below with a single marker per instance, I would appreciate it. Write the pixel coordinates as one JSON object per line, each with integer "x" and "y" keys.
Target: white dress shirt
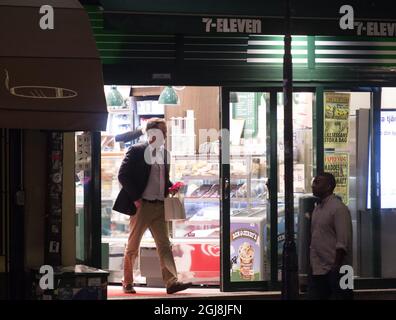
{"x": 155, "y": 188}
{"x": 331, "y": 229}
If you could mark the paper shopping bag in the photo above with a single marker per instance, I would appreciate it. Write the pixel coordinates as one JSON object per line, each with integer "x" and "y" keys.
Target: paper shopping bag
{"x": 174, "y": 209}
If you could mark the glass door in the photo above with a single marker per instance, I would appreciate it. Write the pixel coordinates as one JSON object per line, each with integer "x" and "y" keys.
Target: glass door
{"x": 245, "y": 207}
{"x": 252, "y": 153}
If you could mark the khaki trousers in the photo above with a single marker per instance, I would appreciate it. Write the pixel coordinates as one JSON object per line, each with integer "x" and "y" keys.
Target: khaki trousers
{"x": 150, "y": 216}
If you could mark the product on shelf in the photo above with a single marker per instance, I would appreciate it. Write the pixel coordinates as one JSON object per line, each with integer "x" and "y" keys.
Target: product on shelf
{"x": 214, "y": 192}
{"x": 259, "y": 191}
{"x": 242, "y": 191}
{"x": 256, "y": 167}
{"x": 107, "y": 143}
{"x": 238, "y": 168}
{"x": 234, "y": 189}
{"x": 205, "y": 233}
{"x": 199, "y": 193}
{"x": 191, "y": 187}
{"x": 206, "y": 214}
{"x": 209, "y": 147}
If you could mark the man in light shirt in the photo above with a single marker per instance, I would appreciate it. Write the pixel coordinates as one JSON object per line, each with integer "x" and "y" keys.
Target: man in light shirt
{"x": 331, "y": 241}
{"x": 144, "y": 176}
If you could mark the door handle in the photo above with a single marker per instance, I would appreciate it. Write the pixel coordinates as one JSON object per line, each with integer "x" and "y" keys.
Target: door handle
{"x": 226, "y": 188}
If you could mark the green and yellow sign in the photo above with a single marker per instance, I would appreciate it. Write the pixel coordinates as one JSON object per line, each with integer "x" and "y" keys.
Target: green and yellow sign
{"x": 338, "y": 165}
{"x": 336, "y": 120}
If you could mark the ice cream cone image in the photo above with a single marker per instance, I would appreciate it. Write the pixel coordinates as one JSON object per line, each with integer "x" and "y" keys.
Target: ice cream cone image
{"x": 246, "y": 258}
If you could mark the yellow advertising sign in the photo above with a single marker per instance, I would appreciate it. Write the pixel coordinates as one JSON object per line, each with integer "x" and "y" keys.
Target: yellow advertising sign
{"x": 336, "y": 120}
{"x": 338, "y": 165}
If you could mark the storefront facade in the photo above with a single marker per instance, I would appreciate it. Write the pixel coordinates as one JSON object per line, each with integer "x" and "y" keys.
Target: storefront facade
{"x": 51, "y": 86}
{"x": 354, "y": 71}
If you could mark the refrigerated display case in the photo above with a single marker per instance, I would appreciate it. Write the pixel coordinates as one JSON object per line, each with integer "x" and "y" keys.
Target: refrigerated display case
{"x": 201, "y": 194}
{"x": 249, "y": 252}
{"x": 196, "y": 240}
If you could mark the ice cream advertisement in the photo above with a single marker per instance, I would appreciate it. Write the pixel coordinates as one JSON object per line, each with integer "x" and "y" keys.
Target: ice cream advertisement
{"x": 245, "y": 252}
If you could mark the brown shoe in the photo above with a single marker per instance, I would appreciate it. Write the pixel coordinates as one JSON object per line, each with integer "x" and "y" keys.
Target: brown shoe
{"x": 128, "y": 288}
{"x": 178, "y": 286}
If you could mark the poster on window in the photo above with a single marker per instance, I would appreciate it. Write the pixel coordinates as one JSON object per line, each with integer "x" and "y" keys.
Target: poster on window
{"x": 336, "y": 120}
{"x": 83, "y": 161}
{"x": 246, "y": 254}
{"x": 338, "y": 165}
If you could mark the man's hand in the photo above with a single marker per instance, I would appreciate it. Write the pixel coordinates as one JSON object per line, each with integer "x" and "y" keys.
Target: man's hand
{"x": 340, "y": 254}
{"x": 175, "y": 188}
{"x": 336, "y": 268}
{"x": 138, "y": 203}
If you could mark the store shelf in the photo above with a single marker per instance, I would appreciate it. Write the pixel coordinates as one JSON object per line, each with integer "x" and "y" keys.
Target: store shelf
{"x": 208, "y": 199}
{"x": 200, "y": 200}
{"x": 213, "y": 222}
{"x": 120, "y": 123}
{"x": 200, "y": 177}
{"x": 119, "y": 111}
{"x": 151, "y": 114}
{"x": 214, "y": 157}
{"x": 234, "y": 177}
{"x": 113, "y": 154}
{"x": 239, "y": 177}
{"x": 247, "y": 200}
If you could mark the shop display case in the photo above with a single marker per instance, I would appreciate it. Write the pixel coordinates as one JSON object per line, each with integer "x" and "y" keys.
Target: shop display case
{"x": 201, "y": 194}
{"x": 249, "y": 252}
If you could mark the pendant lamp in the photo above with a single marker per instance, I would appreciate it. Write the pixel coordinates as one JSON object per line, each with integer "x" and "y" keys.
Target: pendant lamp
{"x": 233, "y": 97}
{"x": 114, "y": 98}
{"x": 168, "y": 96}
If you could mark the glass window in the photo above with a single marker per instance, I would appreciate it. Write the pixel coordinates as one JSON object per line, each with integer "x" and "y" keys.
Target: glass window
{"x": 388, "y": 178}
{"x": 249, "y": 250}
{"x": 346, "y": 139}
{"x": 302, "y": 159}
{"x": 193, "y": 140}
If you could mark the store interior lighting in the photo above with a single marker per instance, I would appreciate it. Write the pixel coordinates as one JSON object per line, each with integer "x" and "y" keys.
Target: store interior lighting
{"x": 169, "y": 96}
{"x": 233, "y": 97}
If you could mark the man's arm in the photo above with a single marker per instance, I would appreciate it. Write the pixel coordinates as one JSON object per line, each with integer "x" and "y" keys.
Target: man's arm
{"x": 340, "y": 255}
{"x": 343, "y": 229}
{"x": 129, "y": 136}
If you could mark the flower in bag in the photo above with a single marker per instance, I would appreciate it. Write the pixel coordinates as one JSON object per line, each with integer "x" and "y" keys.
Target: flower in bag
{"x": 176, "y": 187}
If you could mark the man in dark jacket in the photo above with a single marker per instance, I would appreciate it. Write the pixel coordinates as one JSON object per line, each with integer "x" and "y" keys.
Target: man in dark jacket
{"x": 144, "y": 176}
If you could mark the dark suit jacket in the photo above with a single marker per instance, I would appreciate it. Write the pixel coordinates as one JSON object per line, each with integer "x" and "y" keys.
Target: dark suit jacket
{"x": 133, "y": 176}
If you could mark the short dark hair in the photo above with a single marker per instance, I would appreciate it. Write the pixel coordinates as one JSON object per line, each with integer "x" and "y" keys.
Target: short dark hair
{"x": 330, "y": 179}
{"x": 154, "y": 123}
